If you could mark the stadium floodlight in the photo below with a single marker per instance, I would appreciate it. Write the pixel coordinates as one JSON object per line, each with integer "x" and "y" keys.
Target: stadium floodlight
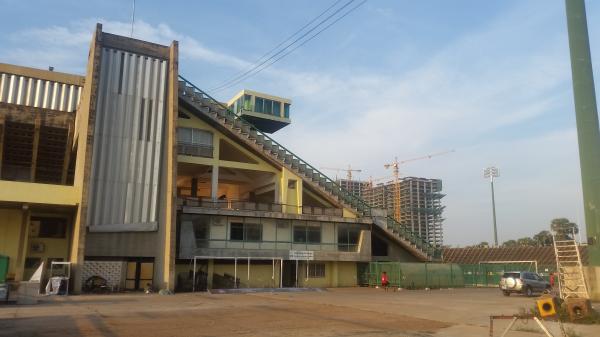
{"x": 492, "y": 173}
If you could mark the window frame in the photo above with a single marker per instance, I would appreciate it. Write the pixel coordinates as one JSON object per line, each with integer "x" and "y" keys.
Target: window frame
{"x": 58, "y": 233}
{"x": 343, "y": 232}
{"x": 317, "y": 270}
{"x": 246, "y": 231}
{"x": 303, "y": 232}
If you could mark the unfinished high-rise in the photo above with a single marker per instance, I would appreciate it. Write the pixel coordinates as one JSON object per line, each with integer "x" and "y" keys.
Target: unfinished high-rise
{"x": 419, "y": 202}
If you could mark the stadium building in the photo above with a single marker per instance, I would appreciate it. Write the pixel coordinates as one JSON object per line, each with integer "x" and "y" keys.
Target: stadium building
{"x": 134, "y": 174}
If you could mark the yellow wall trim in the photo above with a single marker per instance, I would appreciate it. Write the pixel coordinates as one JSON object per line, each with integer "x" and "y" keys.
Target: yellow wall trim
{"x": 22, "y": 192}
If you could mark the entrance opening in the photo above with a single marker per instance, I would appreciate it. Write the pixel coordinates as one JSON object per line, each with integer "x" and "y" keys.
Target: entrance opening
{"x": 139, "y": 274}
{"x": 289, "y": 279}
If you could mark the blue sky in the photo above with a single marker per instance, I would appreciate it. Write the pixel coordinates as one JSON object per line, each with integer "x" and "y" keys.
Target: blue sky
{"x": 490, "y": 79}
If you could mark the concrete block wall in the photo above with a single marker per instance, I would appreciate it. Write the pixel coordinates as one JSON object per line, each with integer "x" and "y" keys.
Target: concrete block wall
{"x": 112, "y": 271}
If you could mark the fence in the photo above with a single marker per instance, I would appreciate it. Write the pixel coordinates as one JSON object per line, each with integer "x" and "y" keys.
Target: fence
{"x": 415, "y": 275}
{"x": 489, "y": 274}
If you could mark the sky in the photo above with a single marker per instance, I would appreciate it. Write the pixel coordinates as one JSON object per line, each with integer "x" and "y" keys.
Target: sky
{"x": 490, "y": 80}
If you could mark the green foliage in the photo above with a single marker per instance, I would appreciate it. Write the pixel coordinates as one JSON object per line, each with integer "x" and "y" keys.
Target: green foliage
{"x": 563, "y": 228}
{"x": 526, "y": 242}
{"x": 543, "y": 238}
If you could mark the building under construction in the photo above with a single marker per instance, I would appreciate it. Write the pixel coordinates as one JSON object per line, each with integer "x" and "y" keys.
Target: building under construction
{"x": 420, "y": 207}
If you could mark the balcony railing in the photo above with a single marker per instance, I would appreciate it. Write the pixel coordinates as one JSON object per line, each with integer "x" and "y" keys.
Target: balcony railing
{"x": 277, "y": 245}
{"x": 195, "y": 150}
{"x": 245, "y": 205}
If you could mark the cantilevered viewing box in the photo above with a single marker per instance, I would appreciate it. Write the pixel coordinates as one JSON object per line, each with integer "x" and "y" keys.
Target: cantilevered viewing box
{"x": 268, "y": 113}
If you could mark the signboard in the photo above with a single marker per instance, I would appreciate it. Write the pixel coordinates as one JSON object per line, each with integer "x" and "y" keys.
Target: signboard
{"x": 303, "y": 255}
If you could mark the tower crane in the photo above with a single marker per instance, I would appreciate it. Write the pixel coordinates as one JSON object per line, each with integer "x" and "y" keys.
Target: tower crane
{"x": 395, "y": 166}
{"x": 348, "y": 171}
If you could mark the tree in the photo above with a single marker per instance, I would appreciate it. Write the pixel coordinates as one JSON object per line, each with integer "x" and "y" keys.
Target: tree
{"x": 563, "y": 228}
{"x": 543, "y": 238}
{"x": 483, "y": 244}
{"x": 510, "y": 243}
{"x": 526, "y": 242}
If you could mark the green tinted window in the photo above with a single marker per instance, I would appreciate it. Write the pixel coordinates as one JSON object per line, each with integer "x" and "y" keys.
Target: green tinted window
{"x": 276, "y": 108}
{"x": 259, "y": 104}
{"x": 268, "y": 106}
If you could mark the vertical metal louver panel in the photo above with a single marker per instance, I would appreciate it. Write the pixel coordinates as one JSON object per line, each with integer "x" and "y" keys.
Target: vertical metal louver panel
{"x": 28, "y": 91}
{"x": 128, "y": 142}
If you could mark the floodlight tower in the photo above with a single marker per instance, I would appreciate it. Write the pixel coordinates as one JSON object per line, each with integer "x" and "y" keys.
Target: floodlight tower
{"x": 491, "y": 173}
{"x": 588, "y": 131}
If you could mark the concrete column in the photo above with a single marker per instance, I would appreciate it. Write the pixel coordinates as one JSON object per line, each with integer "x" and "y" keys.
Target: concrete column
{"x": 83, "y": 164}
{"x": 67, "y": 158}
{"x": 1, "y": 142}
{"x": 334, "y": 274}
{"x": 23, "y": 243}
{"x": 586, "y": 113}
{"x": 36, "y": 143}
{"x": 210, "y": 271}
{"x": 592, "y": 277}
{"x": 194, "y": 187}
{"x": 277, "y": 182}
{"x": 214, "y": 183}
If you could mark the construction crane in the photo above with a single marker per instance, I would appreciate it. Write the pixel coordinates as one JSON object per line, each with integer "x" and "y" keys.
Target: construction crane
{"x": 348, "y": 171}
{"x": 371, "y": 181}
{"x": 395, "y": 166}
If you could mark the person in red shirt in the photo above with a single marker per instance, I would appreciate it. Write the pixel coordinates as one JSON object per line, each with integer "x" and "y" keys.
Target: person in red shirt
{"x": 384, "y": 281}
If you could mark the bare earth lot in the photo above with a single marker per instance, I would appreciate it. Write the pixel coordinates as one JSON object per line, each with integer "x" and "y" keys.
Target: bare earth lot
{"x": 337, "y": 312}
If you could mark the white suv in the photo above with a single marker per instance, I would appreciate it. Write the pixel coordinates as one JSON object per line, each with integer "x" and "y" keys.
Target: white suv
{"x": 523, "y": 282}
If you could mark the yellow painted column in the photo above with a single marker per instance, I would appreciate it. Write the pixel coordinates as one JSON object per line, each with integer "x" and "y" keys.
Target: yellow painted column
{"x": 23, "y": 244}
{"x": 291, "y": 194}
{"x": 83, "y": 165}
{"x": 2, "y": 131}
{"x": 169, "y": 252}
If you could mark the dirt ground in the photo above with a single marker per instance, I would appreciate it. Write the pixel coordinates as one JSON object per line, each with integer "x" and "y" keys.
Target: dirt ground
{"x": 336, "y": 312}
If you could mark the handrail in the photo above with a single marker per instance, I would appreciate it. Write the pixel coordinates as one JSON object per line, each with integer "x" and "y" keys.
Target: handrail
{"x": 301, "y": 161}
{"x": 358, "y": 203}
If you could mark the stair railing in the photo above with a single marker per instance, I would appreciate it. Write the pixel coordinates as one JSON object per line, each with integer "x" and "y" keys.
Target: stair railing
{"x": 357, "y": 203}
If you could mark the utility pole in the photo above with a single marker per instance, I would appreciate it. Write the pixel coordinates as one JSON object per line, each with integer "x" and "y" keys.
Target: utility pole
{"x": 492, "y": 172}
{"x": 588, "y": 133}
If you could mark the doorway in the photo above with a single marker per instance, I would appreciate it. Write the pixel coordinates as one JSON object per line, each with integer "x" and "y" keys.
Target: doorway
{"x": 139, "y": 274}
{"x": 289, "y": 279}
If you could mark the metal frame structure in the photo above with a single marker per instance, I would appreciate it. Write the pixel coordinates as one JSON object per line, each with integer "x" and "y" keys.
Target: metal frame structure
{"x": 68, "y": 264}
{"x": 507, "y": 262}
{"x": 566, "y": 262}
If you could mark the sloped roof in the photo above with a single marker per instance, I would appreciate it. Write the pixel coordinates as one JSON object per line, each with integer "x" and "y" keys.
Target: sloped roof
{"x": 543, "y": 255}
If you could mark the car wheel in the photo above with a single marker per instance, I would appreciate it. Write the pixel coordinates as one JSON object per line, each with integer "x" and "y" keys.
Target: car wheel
{"x": 528, "y": 292}
{"x": 506, "y": 293}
